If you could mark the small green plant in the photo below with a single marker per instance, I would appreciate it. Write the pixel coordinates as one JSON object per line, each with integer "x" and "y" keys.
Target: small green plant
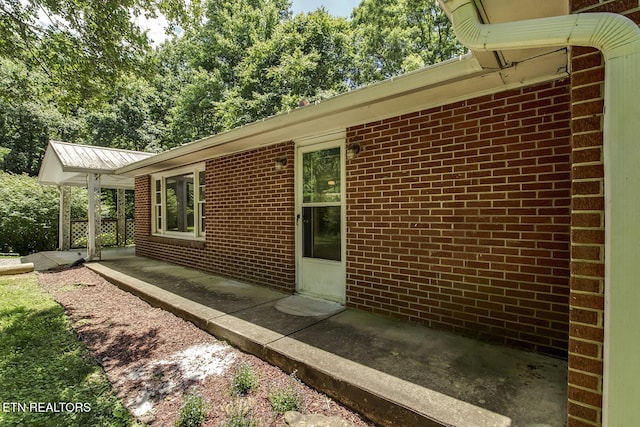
{"x": 244, "y": 379}
{"x": 286, "y": 398}
{"x": 193, "y": 412}
{"x": 239, "y": 415}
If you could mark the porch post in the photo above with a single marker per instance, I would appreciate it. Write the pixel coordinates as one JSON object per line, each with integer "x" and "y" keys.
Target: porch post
{"x": 64, "y": 233}
{"x": 122, "y": 219}
{"x": 95, "y": 226}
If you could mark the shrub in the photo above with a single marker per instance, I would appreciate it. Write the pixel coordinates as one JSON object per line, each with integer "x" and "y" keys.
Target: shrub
{"x": 28, "y": 215}
{"x": 106, "y": 239}
{"x": 239, "y": 415}
{"x": 193, "y": 412}
{"x": 244, "y": 379}
{"x": 286, "y": 398}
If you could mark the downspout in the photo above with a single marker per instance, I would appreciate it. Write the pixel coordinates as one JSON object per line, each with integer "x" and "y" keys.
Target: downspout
{"x": 618, "y": 38}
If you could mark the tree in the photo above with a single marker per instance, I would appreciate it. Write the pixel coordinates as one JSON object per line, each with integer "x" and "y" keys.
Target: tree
{"x": 232, "y": 28}
{"x": 252, "y": 60}
{"x": 208, "y": 63}
{"x": 131, "y": 119}
{"x": 308, "y": 57}
{"x": 28, "y": 118}
{"x": 28, "y": 215}
{"x": 392, "y": 37}
{"x": 83, "y": 46}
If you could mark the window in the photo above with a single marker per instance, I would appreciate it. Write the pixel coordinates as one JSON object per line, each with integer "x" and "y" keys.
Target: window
{"x": 178, "y": 202}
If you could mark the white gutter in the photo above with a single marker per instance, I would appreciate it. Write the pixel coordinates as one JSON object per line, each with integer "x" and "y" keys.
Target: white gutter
{"x": 451, "y": 81}
{"x": 619, "y": 40}
{"x": 333, "y": 109}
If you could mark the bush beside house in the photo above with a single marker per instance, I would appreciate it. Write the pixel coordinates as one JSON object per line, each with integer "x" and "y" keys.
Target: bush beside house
{"x": 29, "y": 214}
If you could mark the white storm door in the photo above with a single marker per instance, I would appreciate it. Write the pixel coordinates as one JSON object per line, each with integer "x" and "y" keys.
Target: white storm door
{"x": 320, "y": 221}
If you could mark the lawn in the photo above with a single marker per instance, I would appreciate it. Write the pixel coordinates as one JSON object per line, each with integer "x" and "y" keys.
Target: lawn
{"x": 47, "y": 377}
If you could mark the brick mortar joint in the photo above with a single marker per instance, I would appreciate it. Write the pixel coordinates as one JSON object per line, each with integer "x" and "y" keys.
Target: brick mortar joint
{"x": 588, "y": 101}
{"x": 583, "y": 420}
{"x": 602, "y": 3}
{"x": 589, "y": 84}
{"x": 587, "y": 293}
{"x": 580, "y": 276}
{"x": 578, "y": 371}
{"x": 578, "y": 149}
{"x": 590, "y": 390}
{"x": 595, "y": 163}
{"x": 588, "y": 132}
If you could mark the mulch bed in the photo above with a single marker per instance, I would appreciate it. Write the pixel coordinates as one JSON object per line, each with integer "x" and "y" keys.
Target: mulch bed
{"x": 154, "y": 358}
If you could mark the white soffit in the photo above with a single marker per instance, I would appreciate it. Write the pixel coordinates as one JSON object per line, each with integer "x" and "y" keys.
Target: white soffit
{"x": 497, "y": 11}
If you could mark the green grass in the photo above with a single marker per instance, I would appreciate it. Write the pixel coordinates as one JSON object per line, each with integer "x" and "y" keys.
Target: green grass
{"x": 43, "y": 362}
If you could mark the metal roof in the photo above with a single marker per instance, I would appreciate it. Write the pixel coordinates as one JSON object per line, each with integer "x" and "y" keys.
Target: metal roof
{"x": 68, "y": 164}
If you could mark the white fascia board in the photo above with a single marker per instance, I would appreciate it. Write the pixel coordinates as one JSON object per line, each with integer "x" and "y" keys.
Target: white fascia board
{"x": 447, "y": 82}
{"x": 339, "y": 105}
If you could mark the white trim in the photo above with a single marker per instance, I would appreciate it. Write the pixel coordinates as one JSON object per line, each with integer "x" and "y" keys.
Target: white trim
{"x": 319, "y": 139}
{"x": 308, "y": 145}
{"x": 197, "y": 233}
{"x": 439, "y": 84}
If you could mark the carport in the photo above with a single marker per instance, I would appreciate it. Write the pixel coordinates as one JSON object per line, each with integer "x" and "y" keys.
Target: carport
{"x": 69, "y": 165}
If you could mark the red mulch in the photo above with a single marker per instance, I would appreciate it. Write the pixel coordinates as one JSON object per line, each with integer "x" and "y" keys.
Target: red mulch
{"x": 137, "y": 346}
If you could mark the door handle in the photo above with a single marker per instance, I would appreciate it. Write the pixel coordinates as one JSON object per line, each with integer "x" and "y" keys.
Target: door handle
{"x": 297, "y": 219}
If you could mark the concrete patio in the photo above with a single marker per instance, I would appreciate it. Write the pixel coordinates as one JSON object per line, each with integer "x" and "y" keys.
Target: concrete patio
{"x": 395, "y": 373}
{"x": 50, "y": 260}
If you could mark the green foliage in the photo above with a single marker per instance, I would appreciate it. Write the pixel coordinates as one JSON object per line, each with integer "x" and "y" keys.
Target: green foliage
{"x": 84, "y": 46}
{"x": 193, "y": 412}
{"x": 286, "y": 398}
{"x": 244, "y": 379}
{"x": 246, "y": 60}
{"x": 28, "y": 215}
{"x": 28, "y": 118}
{"x": 106, "y": 239}
{"x": 396, "y": 36}
{"x": 42, "y": 360}
{"x": 129, "y": 120}
{"x": 239, "y": 415}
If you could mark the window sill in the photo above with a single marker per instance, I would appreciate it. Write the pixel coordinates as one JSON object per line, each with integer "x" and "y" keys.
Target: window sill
{"x": 178, "y": 241}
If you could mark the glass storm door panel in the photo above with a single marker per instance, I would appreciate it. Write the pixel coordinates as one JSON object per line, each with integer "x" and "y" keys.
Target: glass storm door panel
{"x": 321, "y": 204}
{"x": 320, "y": 221}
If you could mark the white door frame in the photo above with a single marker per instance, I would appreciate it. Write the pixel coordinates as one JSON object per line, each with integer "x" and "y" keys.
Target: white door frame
{"x": 319, "y": 268}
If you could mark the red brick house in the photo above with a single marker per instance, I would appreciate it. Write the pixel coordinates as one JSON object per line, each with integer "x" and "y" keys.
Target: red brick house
{"x": 488, "y": 195}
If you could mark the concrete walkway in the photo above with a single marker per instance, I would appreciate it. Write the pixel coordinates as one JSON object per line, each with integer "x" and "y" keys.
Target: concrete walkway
{"x": 49, "y": 260}
{"x": 395, "y": 373}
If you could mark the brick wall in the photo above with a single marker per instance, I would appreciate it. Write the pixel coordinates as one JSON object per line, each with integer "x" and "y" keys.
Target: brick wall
{"x": 587, "y": 231}
{"x": 459, "y": 217}
{"x": 142, "y": 208}
{"x": 249, "y": 220}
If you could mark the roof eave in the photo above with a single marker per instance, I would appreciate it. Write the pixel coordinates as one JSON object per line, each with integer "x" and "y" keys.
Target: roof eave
{"x": 394, "y": 87}
{"x": 443, "y": 83}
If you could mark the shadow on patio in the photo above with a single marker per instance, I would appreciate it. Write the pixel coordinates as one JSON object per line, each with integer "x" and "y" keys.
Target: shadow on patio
{"x": 394, "y": 372}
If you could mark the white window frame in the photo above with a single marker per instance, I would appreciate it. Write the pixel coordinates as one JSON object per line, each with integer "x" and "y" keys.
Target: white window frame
{"x": 199, "y": 206}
